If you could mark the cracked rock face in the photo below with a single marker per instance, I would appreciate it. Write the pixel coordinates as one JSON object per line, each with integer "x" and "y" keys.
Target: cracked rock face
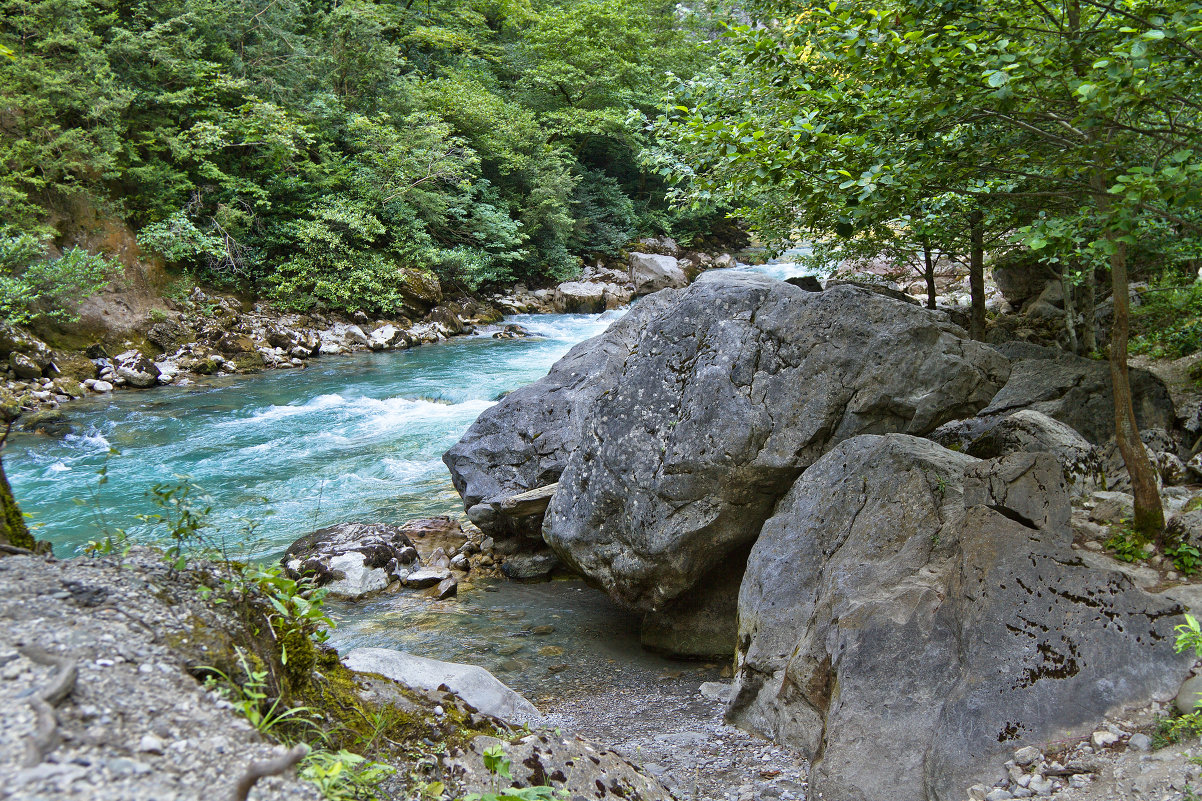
{"x": 523, "y": 442}
{"x": 931, "y": 604}
{"x": 712, "y": 405}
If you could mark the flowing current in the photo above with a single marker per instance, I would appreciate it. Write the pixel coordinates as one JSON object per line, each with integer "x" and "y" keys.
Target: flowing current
{"x": 349, "y": 438}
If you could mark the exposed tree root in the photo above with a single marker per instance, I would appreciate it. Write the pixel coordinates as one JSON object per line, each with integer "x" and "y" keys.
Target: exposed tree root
{"x": 270, "y": 767}
{"x": 45, "y": 735}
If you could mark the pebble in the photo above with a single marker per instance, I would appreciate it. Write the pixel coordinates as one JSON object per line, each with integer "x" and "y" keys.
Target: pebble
{"x": 541, "y": 630}
{"x": 1140, "y": 742}
{"x": 1027, "y": 755}
{"x": 1103, "y": 738}
{"x": 998, "y": 794}
{"x": 151, "y": 744}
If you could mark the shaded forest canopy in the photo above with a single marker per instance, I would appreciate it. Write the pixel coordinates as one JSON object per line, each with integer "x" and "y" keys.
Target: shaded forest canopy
{"x": 309, "y": 149}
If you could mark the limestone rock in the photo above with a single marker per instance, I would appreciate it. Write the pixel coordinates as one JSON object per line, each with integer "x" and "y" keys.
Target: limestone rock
{"x": 352, "y": 560}
{"x": 523, "y": 442}
{"x": 471, "y": 683}
{"x": 930, "y": 604}
{"x": 718, "y": 404}
{"x": 136, "y": 369}
{"x": 700, "y": 623}
{"x": 651, "y": 273}
{"x": 580, "y": 296}
{"x": 427, "y": 577}
{"x": 577, "y": 768}
{"x": 1077, "y": 392}
{"x": 530, "y": 566}
{"x": 23, "y": 366}
{"x": 1029, "y": 431}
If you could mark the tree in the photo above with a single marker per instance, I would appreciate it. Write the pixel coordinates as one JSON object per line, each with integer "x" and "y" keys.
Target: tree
{"x": 1075, "y": 124}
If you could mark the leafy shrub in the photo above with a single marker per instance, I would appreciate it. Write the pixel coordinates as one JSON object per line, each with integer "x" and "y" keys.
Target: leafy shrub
{"x": 35, "y": 286}
{"x": 1168, "y": 321}
{"x": 178, "y": 240}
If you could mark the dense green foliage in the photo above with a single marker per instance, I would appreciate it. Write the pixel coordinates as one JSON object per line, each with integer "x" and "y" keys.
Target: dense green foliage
{"x": 1072, "y": 128}
{"x": 1168, "y": 320}
{"x": 35, "y": 285}
{"x": 1073, "y": 125}
{"x": 312, "y": 148}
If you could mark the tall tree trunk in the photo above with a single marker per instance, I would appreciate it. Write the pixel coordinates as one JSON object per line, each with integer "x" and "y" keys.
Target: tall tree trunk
{"x": 929, "y": 273}
{"x": 1149, "y": 515}
{"x": 1070, "y": 308}
{"x": 976, "y": 275}
{"x": 1089, "y": 324}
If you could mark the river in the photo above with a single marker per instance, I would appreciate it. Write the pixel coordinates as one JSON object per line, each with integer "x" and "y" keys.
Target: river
{"x": 360, "y": 438}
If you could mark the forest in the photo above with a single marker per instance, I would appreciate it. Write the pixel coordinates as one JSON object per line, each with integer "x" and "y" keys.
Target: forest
{"x": 307, "y": 150}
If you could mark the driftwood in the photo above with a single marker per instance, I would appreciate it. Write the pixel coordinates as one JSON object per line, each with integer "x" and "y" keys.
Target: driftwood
{"x": 43, "y": 702}
{"x": 269, "y": 767}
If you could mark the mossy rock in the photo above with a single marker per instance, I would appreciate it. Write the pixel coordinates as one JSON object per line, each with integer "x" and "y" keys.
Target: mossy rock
{"x": 247, "y": 362}
{"x": 75, "y": 366}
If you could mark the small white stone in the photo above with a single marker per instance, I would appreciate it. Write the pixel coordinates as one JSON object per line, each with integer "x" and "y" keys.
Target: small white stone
{"x": 150, "y": 744}
{"x": 1102, "y": 738}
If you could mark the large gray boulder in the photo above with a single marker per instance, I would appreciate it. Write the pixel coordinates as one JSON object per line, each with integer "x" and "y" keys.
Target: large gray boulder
{"x": 471, "y": 683}
{"x": 1077, "y": 391}
{"x": 723, "y": 399}
{"x": 523, "y": 442}
{"x": 909, "y": 615}
{"x": 651, "y": 273}
{"x": 580, "y": 296}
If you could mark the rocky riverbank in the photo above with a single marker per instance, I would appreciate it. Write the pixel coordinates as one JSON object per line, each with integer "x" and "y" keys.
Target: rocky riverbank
{"x": 213, "y": 333}
{"x": 110, "y": 688}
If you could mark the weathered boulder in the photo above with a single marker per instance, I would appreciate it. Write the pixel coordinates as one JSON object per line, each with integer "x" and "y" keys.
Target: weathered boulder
{"x": 471, "y": 683}
{"x": 701, "y": 622}
{"x": 720, "y": 403}
{"x": 1029, "y": 431}
{"x": 1022, "y": 278}
{"x": 910, "y": 615}
{"x": 572, "y": 765}
{"x": 651, "y": 273}
{"x": 167, "y": 335}
{"x": 52, "y": 423}
{"x": 419, "y": 290}
{"x": 522, "y": 443}
{"x": 136, "y": 369}
{"x": 536, "y": 566}
{"x": 1077, "y": 392}
{"x": 580, "y": 296}
{"x": 14, "y": 340}
{"x": 809, "y": 283}
{"x": 352, "y": 560}
{"x": 23, "y": 366}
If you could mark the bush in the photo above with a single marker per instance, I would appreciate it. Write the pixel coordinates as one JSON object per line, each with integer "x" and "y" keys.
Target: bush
{"x": 1168, "y": 321}
{"x": 34, "y": 286}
